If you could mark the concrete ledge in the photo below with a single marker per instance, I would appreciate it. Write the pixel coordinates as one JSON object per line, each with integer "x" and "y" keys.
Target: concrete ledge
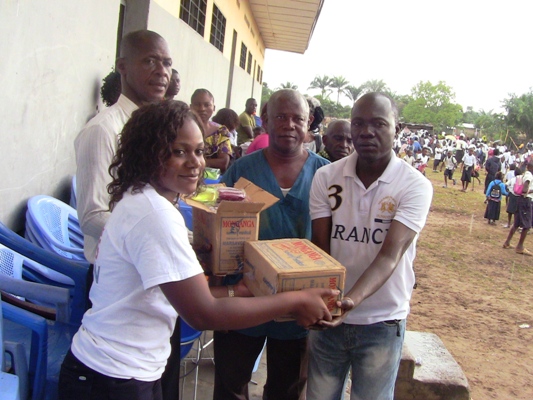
{"x": 428, "y": 371}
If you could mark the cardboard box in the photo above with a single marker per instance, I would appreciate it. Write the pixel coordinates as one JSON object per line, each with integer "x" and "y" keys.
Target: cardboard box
{"x": 275, "y": 266}
{"x": 229, "y": 226}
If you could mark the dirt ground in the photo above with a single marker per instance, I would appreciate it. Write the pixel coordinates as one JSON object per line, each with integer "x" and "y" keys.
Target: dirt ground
{"x": 475, "y": 295}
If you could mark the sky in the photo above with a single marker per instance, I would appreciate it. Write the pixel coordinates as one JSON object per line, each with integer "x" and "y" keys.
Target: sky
{"x": 481, "y": 49}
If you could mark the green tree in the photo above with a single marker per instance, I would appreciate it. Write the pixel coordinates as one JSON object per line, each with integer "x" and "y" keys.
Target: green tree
{"x": 323, "y": 83}
{"x": 491, "y": 126}
{"x": 332, "y": 109}
{"x": 353, "y": 92}
{"x": 375, "y": 85}
{"x": 401, "y": 100}
{"x": 520, "y": 113}
{"x": 288, "y": 85}
{"x": 433, "y": 104}
{"x": 265, "y": 94}
{"x": 339, "y": 83}
{"x": 470, "y": 116}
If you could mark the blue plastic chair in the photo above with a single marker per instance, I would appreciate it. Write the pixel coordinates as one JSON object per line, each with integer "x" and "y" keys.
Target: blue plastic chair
{"x": 186, "y": 212}
{"x": 188, "y": 336}
{"x": 45, "y": 341}
{"x": 54, "y": 226}
{"x": 9, "y": 383}
{"x": 75, "y": 270}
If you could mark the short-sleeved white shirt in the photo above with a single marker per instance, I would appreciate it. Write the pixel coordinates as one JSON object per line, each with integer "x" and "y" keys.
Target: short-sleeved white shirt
{"x": 469, "y": 160}
{"x": 528, "y": 177}
{"x": 95, "y": 148}
{"x": 360, "y": 220}
{"x": 126, "y": 332}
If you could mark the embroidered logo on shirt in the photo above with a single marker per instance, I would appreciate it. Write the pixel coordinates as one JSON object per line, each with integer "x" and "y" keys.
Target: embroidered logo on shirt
{"x": 386, "y": 210}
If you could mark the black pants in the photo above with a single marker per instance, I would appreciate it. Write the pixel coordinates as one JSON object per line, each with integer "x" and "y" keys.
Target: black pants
{"x": 170, "y": 381}
{"x": 79, "y": 382}
{"x": 235, "y": 356}
{"x": 488, "y": 179}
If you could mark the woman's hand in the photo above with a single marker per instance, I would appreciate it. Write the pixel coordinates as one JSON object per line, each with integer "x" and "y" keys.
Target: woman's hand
{"x": 312, "y": 306}
{"x": 346, "y": 304}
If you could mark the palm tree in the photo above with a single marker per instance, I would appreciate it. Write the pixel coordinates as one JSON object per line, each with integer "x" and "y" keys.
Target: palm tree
{"x": 339, "y": 83}
{"x": 375, "y": 85}
{"x": 323, "y": 83}
{"x": 288, "y": 85}
{"x": 353, "y": 92}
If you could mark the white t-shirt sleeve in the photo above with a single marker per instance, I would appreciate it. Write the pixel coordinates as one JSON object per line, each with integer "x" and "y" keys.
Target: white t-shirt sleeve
{"x": 159, "y": 248}
{"x": 413, "y": 207}
{"x": 319, "y": 206}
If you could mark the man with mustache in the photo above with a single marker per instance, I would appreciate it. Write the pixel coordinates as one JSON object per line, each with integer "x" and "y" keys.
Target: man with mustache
{"x": 286, "y": 170}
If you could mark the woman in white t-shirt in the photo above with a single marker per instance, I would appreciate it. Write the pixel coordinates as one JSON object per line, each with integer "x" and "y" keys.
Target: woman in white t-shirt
{"x": 146, "y": 272}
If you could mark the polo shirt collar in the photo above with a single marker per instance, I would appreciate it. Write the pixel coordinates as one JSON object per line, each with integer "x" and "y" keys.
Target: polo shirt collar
{"x": 387, "y": 176}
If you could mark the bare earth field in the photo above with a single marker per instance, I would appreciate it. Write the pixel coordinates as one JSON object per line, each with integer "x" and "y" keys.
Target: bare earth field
{"x": 475, "y": 295}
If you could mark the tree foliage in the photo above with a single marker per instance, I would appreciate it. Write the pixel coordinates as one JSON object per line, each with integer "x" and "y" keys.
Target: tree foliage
{"x": 332, "y": 109}
{"x": 433, "y": 104}
{"x": 375, "y": 85}
{"x": 491, "y": 126}
{"x": 288, "y": 85}
{"x": 265, "y": 94}
{"x": 353, "y": 92}
{"x": 520, "y": 113}
{"x": 339, "y": 83}
{"x": 323, "y": 83}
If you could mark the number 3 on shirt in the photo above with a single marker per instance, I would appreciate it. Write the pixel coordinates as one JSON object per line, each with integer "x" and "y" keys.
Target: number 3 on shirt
{"x": 337, "y": 190}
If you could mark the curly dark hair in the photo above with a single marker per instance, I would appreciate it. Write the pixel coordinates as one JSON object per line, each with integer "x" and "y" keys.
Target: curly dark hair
{"x": 227, "y": 117}
{"x": 145, "y": 145}
{"x": 111, "y": 88}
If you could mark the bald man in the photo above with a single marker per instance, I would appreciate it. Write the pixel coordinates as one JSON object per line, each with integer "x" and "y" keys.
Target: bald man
{"x": 145, "y": 70}
{"x": 337, "y": 141}
{"x": 285, "y": 169}
{"x": 367, "y": 211}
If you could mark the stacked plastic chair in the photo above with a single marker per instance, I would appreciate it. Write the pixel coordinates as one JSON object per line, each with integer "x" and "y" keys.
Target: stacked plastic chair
{"x": 77, "y": 271}
{"x": 9, "y": 382}
{"x": 45, "y": 341}
{"x": 46, "y": 338}
{"x": 54, "y": 226}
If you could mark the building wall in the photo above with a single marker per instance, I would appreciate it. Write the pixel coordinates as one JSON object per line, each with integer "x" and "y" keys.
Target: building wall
{"x": 55, "y": 55}
{"x": 202, "y": 65}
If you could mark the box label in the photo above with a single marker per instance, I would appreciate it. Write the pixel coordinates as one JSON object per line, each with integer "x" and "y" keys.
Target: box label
{"x": 289, "y": 255}
{"x": 234, "y": 231}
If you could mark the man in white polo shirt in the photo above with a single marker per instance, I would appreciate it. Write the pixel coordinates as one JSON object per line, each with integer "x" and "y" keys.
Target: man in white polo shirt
{"x": 367, "y": 211}
{"x": 145, "y": 68}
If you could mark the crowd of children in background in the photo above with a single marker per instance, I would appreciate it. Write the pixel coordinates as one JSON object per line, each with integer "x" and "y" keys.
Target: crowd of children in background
{"x": 506, "y": 171}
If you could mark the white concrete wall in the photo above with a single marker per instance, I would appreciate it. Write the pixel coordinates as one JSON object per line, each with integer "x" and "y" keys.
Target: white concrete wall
{"x": 54, "y": 56}
{"x": 199, "y": 63}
